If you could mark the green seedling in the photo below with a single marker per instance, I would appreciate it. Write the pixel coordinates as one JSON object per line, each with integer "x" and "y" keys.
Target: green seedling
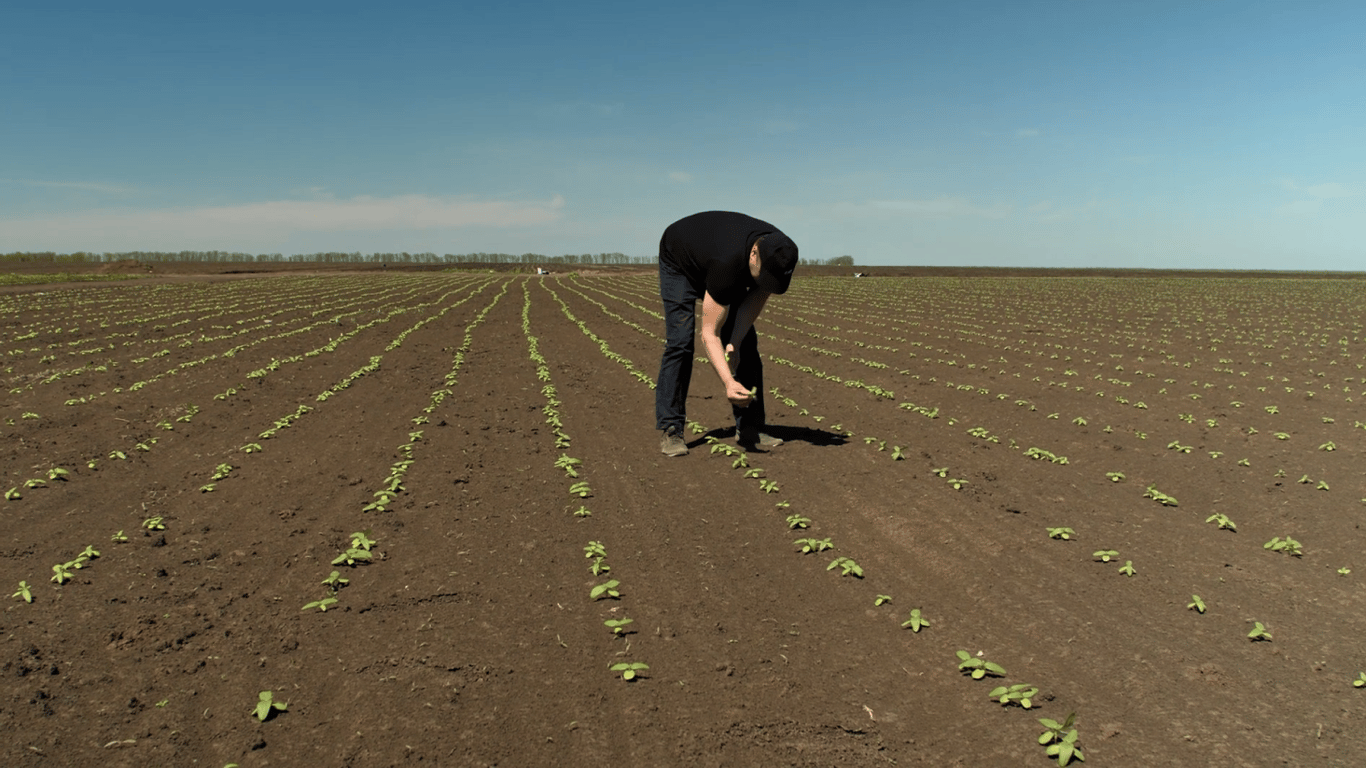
{"x": 24, "y": 591}
{"x": 1061, "y": 740}
{"x": 320, "y": 604}
{"x": 740, "y": 461}
{"x": 162, "y": 704}
{"x": 978, "y": 668}
{"x": 362, "y": 540}
{"x": 1304, "y": 480}
{"x": 756, "y": 473}
{"x": 1061, "y": 533}
{"x": 1259, "y": 632}
{"x": 847, "y": 567}
{"x": 1104, "y": 555}
{"x": 797, "y": 521}
{"x": 13, "y": 494}
{"x": 595, "y": 549}
{"x": 1022, "y": 694}
{"x": 1328, "y": 446}
{"x": 696, "y": 428}
{"x": 604, "y": 590}
{"x": 618, "y": 626}
{"x": 582, "y": 511}
{"x": 813, "y": 545}
{"x": 1222, "y": 521}
{"x": 92, "y": 464}
{"x": 89, "y": 553}
{"x": 266, "y": 705}
{"x": 61, "y": 572}
{"x": 916, "y": 622}
{"x": 1244, "y": 463}
{"x": 568, "y": 464}
{"x": 251, "y": 448}
{"x": 581, "y": 489}
{"x": 599, "y": 567}
{"x": 768, "y": 486}
{"x": 1115, "y": 477}
{"x": 898, "y": 454}
{"x": 56, "y": 473}
{"x": 880, "y": 599}
{"x": 1159, "y": 497}
{"x": 1128, "y": 568}
{"x": 154, "y": 524}
{"x": 335, "y": 581}
{"x": 119, "y": 538}
{"x": 1360, "y": 682}
{"x": 1196, "y": 604}
{"x": 207, "y": 488}
{"x": 353, "y": 555}
{"x": 1287, "y": 545}
{"x": 957, "y": 483}
{"x": 786, "y": 504}
{"x": 36, "y": 482}
{"x": 221, "y": 471}
{"x": 1322, "y": 486}
{"x": 942, "y": 471}
{"x": 630, "y": 670}
{"x": 1343, "y": 571}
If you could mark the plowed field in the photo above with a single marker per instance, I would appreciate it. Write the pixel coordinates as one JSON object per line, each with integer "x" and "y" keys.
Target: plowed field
{"x": 193, "y": 465}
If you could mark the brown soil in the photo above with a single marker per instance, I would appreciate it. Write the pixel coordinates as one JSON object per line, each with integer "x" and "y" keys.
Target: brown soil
{"x": 471, "y": 639}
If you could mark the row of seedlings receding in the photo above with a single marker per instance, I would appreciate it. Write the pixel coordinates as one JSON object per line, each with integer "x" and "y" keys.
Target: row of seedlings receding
{"x": 607, "y": 588}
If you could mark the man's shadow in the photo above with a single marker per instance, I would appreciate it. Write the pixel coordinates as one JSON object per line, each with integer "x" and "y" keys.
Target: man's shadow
{"x": 817, "y": 437}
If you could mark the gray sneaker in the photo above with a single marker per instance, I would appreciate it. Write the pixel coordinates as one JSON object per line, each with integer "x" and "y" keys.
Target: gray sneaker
{"x": 671, "y": 442}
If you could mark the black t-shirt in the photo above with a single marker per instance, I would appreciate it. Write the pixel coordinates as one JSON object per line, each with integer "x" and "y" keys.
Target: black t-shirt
{"x": 711, "y": 249}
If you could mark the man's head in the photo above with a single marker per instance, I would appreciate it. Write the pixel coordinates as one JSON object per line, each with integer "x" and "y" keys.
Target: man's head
{"x": 777, "y": 257}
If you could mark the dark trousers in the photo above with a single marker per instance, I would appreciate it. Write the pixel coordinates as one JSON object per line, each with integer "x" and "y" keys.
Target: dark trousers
{"x": 675, "y": 368}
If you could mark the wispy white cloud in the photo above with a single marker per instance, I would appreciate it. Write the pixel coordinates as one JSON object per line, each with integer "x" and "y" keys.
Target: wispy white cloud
{"x": 1325, "y": 191}
{"x": 680, "y": 176}
{"x": 84, "y": 186}
{"x": 268, "y": 222}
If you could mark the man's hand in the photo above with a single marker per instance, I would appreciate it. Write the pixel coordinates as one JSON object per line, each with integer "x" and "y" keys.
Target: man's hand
{"x": 738, "y": 395}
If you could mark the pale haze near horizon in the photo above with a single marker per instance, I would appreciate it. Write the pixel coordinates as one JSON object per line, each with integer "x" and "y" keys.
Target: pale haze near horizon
{"x": 1059, "y": 133}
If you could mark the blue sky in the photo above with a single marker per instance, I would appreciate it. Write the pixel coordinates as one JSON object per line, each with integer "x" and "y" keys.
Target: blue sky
{"x": 1201, "y": 133}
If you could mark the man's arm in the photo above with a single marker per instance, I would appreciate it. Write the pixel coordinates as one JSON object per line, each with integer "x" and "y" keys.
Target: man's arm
{"x": 713, "y": 317}
{"x": 746, "y": 314}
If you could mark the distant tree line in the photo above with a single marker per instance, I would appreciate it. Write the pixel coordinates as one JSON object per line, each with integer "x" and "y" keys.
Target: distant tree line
{"x": 834, "y": 261}
{"x": 332, "y": 257}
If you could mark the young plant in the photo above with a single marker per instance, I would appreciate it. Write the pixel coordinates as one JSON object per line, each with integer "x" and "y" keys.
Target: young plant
{"x": 897, "y": 454}
{"x": 119, "y": 538}
{"x": 1104, "y": 555}
{"x": 618, "y": 626}
{"x": 956, "y": 483}
{"x": 595, "y": 549}
{"x": 335, "y": 581}
{"x": 978, "y": 668}
{"x": 880, "y": 599}
{"x": 1222, "y": 521}
{"x": 1115, "y": 477}
{"x": 1196, "y": 604}
{"x": 809, "y": 546}
{"x": 581, "y": 489}
{"x": 1259, "y": 632}
{"x": 583, "y": 511}
{"x": 154, "y": 524}
{"x": 56, "y": 473}
{"x": 266, "y": 705}
{"x": 61, "y": 572}
{"x": 1061, "y": 740}
{"x": 1360, "y": 682}
{"x": 1021, "y": 693}
{"x": 1128, "y": 568}
{"x": 1061, "y": 533}
{"x": 768, "y": 486}
{"x": 847, "y": 567}
{"x": 568, "y": 464}
{"x": 605, "y": 590}
{"x": 24, "y": 591}
{"x": 916, "y": 622}
{"x": 1287, "y": 545}
{"x": 1159, "y": 497}
{"x": 797, "y": 521}
{"x": 320, "y": 604}
{"x": 630, "y": 670}
{"x": 13, "y": 494}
